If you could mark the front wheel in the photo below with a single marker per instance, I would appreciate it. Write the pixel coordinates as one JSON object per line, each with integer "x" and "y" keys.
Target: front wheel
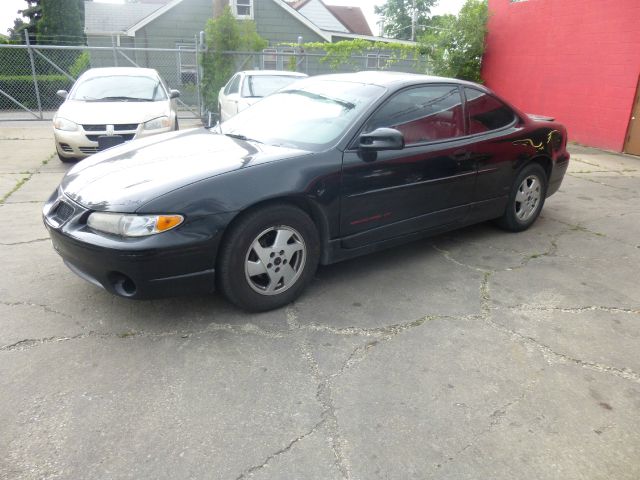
{"x": 268, "y": 257}
{"x": 526, "y": 199}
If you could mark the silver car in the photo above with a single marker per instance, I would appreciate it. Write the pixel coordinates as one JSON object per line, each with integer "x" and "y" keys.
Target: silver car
{"x": 108, "y": 106}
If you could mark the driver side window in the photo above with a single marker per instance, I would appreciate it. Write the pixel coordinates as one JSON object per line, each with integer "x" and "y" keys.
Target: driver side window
{"x": 422, "y": 114}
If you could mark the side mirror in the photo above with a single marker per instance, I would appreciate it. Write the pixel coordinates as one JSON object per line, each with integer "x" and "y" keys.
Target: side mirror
{"x": 174, "y": 93}
{"x": 62, "y": 93}
{"x": 381, "y": 139}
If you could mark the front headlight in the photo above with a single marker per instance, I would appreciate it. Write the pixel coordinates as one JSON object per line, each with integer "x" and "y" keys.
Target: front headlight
{"x": 127, "y": 225}
{"x": 160, "y": 122}
{"x": 60, "y": 123}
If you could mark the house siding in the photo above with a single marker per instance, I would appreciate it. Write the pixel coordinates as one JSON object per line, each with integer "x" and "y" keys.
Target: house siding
{"x": 277, "y": 26}
{"x": 179, "y": 25}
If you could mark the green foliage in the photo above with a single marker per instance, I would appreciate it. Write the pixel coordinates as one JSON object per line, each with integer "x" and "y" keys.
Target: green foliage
{"x": 341, "y": 53}
{"x": 398, "y": 14}
{"x": 456, "y": 45}
{"x": 225, "y": 34}
{"x": 81, "y": 65}
{"x": 33, "y": 14}
{"x": 22, "y": 89}
{"x": 61, "y": 23}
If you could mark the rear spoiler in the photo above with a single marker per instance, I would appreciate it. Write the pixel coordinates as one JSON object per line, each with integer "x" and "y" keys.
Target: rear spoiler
{"x": 540, "y": 118}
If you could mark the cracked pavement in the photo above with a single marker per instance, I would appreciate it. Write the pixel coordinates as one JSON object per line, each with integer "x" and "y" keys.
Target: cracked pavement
{"x": 475, "y": 354}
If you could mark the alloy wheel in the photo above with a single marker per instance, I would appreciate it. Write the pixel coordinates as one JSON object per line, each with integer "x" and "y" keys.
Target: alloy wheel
{"x": 275, "y": 260}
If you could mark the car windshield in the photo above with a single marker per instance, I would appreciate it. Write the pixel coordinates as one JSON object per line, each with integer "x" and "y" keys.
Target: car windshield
{"x": 311, "y": 114}
{"x": 263, "y": 85}
{"x": 110, "y": 88}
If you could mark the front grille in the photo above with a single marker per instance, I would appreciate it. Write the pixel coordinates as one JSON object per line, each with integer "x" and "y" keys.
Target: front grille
{"x": 126, "y": 136}
{"x": 62, "y": 212}
{"x": 119, "y": 127}
{"x": 95, "y": 128}
{"x": 125, "y": 126}
{"x": 65, "y": 147}
{"x": 89, "y": 150}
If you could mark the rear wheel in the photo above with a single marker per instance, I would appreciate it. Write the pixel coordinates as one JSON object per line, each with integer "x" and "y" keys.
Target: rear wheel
{"x": 268, "y": 257}
{"x": 526, "y": 199}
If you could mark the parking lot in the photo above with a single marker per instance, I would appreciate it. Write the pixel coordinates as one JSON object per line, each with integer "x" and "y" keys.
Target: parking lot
{"x": 478, "y": 354}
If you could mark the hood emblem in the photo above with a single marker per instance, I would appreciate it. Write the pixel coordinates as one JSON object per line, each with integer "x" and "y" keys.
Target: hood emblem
{"x": 110, "y": 130}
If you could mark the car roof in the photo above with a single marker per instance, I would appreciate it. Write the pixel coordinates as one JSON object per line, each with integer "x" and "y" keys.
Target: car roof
{"x": 129, "y": 71}
{"x": 394, "y": 79}
{"x": 282, "y": 73}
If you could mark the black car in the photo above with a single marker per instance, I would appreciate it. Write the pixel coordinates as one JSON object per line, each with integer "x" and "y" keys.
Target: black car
{"x": 330, "y": 168}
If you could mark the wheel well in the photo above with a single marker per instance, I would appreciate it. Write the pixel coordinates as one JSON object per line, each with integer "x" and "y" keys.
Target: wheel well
{"x": 302, "y": 203}
{"x": 545, "y": 163}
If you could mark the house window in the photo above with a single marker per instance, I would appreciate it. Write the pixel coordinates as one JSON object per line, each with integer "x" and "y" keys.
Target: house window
{"x": 376, "y": 61}
{"x": 243, "y": 8}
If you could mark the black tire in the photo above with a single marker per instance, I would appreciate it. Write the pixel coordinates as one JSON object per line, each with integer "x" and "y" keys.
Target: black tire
{"x": 237, "y": 253}
{"x": 176, "y": 127}
{"x": 525, "y": 200}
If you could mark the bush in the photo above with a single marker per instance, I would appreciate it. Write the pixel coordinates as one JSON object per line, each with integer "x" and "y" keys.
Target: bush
{"x": 21, "y": 87}
{"x": 225, "y": 34}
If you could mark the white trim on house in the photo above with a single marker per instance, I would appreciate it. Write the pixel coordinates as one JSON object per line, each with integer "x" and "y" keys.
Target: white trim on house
{"x": 131, "y": 31}
{"x": 234, "y": 9}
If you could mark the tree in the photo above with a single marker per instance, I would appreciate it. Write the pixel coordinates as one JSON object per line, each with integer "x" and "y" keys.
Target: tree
{"x": 33, "y": 15}
{"x": 61, "y": 23}
{"x": 455, "y": 45}
{"x": 398, "y": 16}
{"x": 225, "y": 34}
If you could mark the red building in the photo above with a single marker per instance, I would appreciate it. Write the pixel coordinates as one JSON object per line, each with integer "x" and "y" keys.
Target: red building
{"x": 576, "y": 60}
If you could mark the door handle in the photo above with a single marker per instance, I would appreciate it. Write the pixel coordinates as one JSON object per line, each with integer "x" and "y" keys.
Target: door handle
{"x": 460, "y": 155}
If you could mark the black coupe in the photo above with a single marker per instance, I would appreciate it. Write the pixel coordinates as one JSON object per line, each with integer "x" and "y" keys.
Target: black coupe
{"x": 330, "y": 168}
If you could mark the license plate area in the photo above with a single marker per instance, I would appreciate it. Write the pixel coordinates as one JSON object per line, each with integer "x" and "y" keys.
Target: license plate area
{"x": 108, "y": 141}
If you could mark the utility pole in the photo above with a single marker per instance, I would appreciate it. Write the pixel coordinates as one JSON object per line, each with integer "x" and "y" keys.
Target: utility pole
{"x": 413, "y": 20}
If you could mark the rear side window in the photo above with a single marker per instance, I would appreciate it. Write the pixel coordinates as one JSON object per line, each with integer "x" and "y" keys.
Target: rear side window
{"x": 423, "y": 114}
{"x": 486, "y": 112}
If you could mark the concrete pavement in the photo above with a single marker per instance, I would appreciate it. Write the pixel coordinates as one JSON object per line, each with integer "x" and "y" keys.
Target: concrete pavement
{"x": 476, "y": 354}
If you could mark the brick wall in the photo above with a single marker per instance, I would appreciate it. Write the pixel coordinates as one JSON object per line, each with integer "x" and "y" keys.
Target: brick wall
{"x": 576, "y": 60}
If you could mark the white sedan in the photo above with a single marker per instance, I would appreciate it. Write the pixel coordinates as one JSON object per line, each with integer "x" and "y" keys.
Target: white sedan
{"x": 108, "y": 106}
{"x": 246, "y": 88}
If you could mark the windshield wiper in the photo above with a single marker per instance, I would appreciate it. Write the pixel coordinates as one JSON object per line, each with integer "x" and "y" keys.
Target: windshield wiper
{"x": 242, "y": 137}
{"x": 115, "y": 98}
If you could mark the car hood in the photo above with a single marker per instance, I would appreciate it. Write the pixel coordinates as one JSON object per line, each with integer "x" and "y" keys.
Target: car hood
{"x": 92, "y": 113}
{"x": 125, "y": 177}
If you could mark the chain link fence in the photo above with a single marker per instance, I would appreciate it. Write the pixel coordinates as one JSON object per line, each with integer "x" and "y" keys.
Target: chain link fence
{"x": 30, "y": 75}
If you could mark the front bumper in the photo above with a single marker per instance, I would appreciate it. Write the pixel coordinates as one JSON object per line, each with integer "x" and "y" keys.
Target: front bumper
{"x": 176, "y": 262}
{"x": 82, "y": 143}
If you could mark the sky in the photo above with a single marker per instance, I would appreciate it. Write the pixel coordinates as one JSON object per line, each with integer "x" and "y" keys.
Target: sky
{"x": 9, "y": 9}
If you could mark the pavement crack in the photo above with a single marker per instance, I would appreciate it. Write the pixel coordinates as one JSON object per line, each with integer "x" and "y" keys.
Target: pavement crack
{"x": 447, "y": 255}
{"x": 26, "y": 242}
{"x": 250, "y": 471}
{"x": 589, "y": 308}
{"x": 551, "y": 356}
{"x": 46, "y": 308}
{"x": 246, "y": 329}
{"x": 324, "y": 396}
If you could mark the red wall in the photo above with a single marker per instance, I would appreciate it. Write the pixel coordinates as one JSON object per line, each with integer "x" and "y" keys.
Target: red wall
{"x": 576, "y": 60}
